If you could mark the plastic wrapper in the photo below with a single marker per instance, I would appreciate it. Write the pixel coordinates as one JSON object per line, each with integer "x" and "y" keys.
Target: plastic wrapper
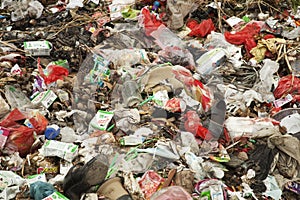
{"x": 63, "y": 150}
{"x": 100, "y": 71}
{"x": 209, "y": 61}
{"x": 56, "y": 196}
{"x": 101, "y": 120}
{"x": 118, "y": 6}
{"x": 293, "y": 186}
{"x": 212, "y": 189}
{"x": 150, "y": 183}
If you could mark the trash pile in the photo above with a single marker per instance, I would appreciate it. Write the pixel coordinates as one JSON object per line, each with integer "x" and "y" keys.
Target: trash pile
{"x": 154, "y": 100}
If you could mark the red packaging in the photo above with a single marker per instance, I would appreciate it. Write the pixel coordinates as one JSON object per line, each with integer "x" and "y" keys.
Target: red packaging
{"x": 150, "y": 183}
{"x": 201, "y": 29}
{"x": 39, "y": 123}
{"x": 173, "y": 105}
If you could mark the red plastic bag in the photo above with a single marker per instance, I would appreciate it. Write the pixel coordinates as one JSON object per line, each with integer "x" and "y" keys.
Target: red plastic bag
{"x": 21, "y": 139}
{"x": 12, "y": 118}
{"x": 193, "y": 124}
{"x": 151, "y": 23}
{"x": 288, "y": 85}
{"x": 240, "y": 37}
{"x": 201, "y": 29}
{"x": 55, "y": 72}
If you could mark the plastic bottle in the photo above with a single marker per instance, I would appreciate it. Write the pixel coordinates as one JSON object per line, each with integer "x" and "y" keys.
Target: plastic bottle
{"x": 130, "y": 93}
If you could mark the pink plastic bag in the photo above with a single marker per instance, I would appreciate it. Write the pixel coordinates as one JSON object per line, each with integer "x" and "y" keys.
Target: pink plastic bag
{"x": 171, "y": 193}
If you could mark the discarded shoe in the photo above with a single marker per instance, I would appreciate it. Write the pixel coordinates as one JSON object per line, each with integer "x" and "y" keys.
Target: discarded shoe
{"x": 113, "y": 189}
{"x": 80, "y": 178}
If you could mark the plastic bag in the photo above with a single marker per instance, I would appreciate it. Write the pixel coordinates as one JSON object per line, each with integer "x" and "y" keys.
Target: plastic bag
{"x": 246, "y": 33}
{"x": 177, "y": 11}
{"x": 15, "y": 97}
{"x": 12, "y": 118}
{"x": 201, "y": 29}
{"x": 40, "y": 190}
{"x": 193, "y": 124}
{"x": 171, "y": 193}
{"x": 10, "y": 183}
{"x": 150, "y": 21}
{"x": 164, "y": 37}
{"x": 20, "y": 139}
{"x": 54, "y": 72}
{"x": 288, "y": 85}
{"x": 177, "y": 56}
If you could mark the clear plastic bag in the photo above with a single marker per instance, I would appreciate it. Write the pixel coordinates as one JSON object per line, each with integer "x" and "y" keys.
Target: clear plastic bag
{"x": 15, "y": 97}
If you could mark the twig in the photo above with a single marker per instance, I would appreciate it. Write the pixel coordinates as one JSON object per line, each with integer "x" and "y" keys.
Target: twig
{"x": 11, "y": 46}
{"x": 258, "y": 4}
{"x": 287, "y": 60}
{"x": 219, "y": 16}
